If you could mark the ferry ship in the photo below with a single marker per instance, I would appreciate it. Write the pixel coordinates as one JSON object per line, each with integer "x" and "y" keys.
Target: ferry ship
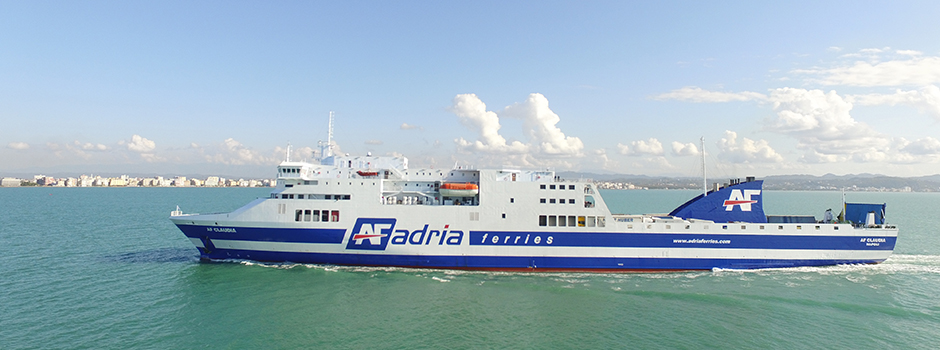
{"x": 376, "y": 211}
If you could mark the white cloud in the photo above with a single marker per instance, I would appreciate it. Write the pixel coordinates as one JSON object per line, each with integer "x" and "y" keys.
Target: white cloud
{"x": 472, "y": 113}
{"x": 650, "y": 147}
{"x": 822, "y": 124}
{"x": 746, "y": 150}
{"x": 18, "y": 145}
{"x": 233, "y": 152}
{"x": 406, "y": 126}
{"x": 88, "y": 146}
{"x": 651, "y": 164}
{"x": 926, "y": 99}
{"x": 373, "y": 142}
{"x": 545, "y": 138}
{"x": 151, "y": 158}
{"x": 141, "y": 145}
{"x": 697, "y": 94}
{"x": 928, "y": 146}
{"x": 912, "y": 70}
{"x": 909, "y": 52}
{"x": 540, "y": 123}
{"x": 684, "y": 149}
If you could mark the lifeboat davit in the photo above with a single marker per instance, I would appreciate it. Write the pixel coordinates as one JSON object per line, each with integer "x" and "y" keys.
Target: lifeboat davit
{"x": 459, "y": 190}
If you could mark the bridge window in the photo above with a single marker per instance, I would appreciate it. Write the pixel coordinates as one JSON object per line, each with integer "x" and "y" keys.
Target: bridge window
{"x": 325, "y": 215}
{"x": 316, "y": 215}
{"x": 334, "y": 215}
{"x": 572, "y": 220}
{"x": 543, "y": 220}
{"x": 552, "y": 220}
{"x": 306, "y": 214}
{"x": 297, "y": 214}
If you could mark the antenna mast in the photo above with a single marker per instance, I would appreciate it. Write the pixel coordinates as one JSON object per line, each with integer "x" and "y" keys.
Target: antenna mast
{"x": 704, "y": 177}
{"x": 329, "y": 138}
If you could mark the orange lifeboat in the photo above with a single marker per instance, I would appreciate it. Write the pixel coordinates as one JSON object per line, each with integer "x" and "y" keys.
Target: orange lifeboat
{"x": 459, "y": 190}
{"x": 367, "y": 173}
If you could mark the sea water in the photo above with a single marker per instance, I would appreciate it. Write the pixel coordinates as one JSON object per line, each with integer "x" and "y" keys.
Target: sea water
{"x": 85, "y": 268}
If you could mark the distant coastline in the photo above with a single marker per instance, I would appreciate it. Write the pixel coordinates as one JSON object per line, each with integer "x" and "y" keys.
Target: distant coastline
{"x": 128, "y": 181}
{"x": 829, "y": 182}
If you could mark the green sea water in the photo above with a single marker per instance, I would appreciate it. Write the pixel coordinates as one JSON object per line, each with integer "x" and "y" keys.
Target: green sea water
{"x": 103, "y": 268}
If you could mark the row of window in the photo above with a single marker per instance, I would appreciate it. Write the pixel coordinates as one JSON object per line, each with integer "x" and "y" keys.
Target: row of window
{"x": 572, "y": 221}
{"x": 311, "y": 196}
{"x": 558, "y": 201}
{"x": 560, "y": 187}
{"x": 316, "y": 215}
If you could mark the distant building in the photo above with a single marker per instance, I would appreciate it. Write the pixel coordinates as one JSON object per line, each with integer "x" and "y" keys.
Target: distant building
{"x": 10, "y": 182}
{"x": 46, "y": 181}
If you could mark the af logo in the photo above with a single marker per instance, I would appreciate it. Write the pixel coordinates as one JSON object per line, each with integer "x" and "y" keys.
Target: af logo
{"x": 371, "y": 233}
{"x": 742, "y": 199}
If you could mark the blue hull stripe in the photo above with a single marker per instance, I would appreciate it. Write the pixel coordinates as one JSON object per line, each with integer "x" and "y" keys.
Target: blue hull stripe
{"x": 568, "y": 239}
{"x": 516, "y": 262}
{"x": 681, "y": 240}
{"x": 266, "y": 234}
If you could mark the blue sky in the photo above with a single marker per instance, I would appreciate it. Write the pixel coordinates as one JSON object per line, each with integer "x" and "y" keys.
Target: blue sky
{"x": 622, "y": 87}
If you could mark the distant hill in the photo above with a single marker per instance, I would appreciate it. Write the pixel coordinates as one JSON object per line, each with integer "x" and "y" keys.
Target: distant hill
{"x": 852, "y": 182}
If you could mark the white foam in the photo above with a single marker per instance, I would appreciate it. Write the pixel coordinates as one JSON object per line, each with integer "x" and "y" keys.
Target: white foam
{"x": 896, "y": 264}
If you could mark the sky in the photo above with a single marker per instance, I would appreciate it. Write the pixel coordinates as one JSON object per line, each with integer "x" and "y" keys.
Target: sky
{"x": 222, "y": 87}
